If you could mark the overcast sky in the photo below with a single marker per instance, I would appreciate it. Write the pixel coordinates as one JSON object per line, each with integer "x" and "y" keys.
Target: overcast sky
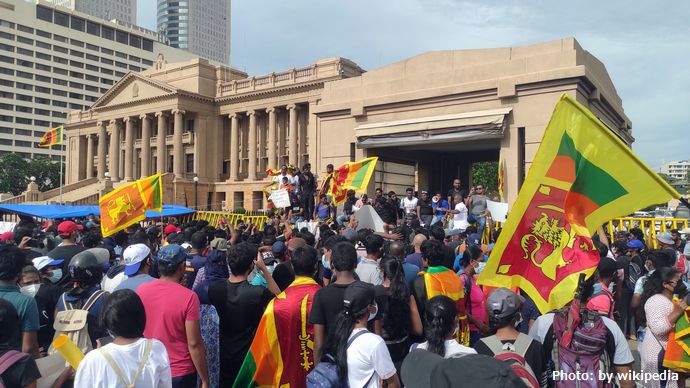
{"x": 645, "y": 47}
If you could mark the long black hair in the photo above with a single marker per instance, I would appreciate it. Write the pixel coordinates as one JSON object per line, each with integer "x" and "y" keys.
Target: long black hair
{"x": 344, "y": 325}
{"x": 440, "y": 316}
{"x": 655, "y": 285}
{"x": 396, "y": 314}
{"x": 473, "y": 252}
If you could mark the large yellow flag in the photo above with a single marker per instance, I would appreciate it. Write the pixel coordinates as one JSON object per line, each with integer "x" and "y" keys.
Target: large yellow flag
{"x": 128, "y": 204}
{"x": 582, "y": 176}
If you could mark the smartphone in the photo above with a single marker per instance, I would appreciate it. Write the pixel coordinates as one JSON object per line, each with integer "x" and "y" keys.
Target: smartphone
{"x": 268, "y": 257}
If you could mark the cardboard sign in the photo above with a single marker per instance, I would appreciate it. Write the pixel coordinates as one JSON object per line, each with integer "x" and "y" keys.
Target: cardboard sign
{"x": 280, "y": 198}
{"x": 498, "y": 210}
{"x": 367, "y": 218}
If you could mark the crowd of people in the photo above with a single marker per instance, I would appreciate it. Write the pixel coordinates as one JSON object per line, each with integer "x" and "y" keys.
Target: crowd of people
{"x": 179, "y": 304}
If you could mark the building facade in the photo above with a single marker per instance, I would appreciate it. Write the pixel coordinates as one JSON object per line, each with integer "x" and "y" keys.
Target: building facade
{"x": 677, "y": 169}
{"x": 200, "y": 26}
{"x": 124, "y": 10}
{"x": 53, "y": 60}
{"x": 428, "y": 119}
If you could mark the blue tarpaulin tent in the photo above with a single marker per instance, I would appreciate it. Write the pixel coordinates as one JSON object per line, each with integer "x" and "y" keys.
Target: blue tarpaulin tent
{"x": 65, "y": 211}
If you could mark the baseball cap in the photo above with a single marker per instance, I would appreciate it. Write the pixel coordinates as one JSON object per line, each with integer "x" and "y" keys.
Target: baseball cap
{"x": 133, "y": 256}
{"x": 474, "y": 239}
{"x": 220, "y": 244}
{"x": 67, "y": 227}
{"x": 504, "y": 303}
{"x": 278, "y": 248}
{"x": 7, "y": 236}
{"x": 170, "y": 228}
{"x": 45, "y": 261}
{"x": 172, "y": 254}
{"x": 608, "y": 266}
{"x": 635, "y": 244}
{"x": 358, "y": 296}
{"x": 666, "y": 238}
{"x": 422, "y": 368}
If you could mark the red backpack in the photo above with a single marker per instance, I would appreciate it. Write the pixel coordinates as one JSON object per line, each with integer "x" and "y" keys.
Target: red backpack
{"x": 514, "y": 355}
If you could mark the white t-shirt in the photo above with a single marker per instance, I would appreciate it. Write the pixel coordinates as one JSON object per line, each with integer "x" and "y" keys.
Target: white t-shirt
{"x": 452, "y": 348}
{"x": 368, "y": 356}
{"x": 95, "y": 372}
{"x": 409, "y": 205}
{"x": 623, "y": 355}
{"x": 460, "y": 219}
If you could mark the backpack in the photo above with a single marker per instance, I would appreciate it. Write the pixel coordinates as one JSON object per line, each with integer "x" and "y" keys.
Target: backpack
{"x": 514, "y": 355}
{"x": 8, "y": 359}
{"x": 120, "y": 375}
{"x": 73, "y": 322}
{"x": 325, "y": 374}
{"x": 604, "y": 291}
{"x": 590, "y": 351}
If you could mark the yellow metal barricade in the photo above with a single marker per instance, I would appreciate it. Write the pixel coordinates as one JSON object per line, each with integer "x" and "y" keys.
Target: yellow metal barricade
{"x": 650, "y": 227}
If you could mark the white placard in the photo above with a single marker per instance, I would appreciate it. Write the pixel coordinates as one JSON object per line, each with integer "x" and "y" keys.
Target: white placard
{"x": 280, "y": 198}
{"x": 367, "y": 218}
{"x": 498, "y": 210}
{"x": 7, "y": 226}
{"x": 50, "y": 367}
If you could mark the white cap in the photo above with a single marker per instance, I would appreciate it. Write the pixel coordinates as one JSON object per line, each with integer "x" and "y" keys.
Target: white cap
{"x": 44, "y": 261}
{"x": 133, "y": 255}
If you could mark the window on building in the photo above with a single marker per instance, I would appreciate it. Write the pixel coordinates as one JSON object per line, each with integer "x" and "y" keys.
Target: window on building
{"x": 4, "y": 94}
{"x": 5, "y": 141}
{"x": 119, "y": 74}
{"x": 78, "y": 24}
{"x": 6, "y": 35}
{"x": 24, "y": 51}
{"x": 134, "y": 41}
{"x": 58, "y": 70}
{"x": 40, "y": 66}
{"x": 190, "y": 125}
{"x": 23, "y": 86}
{"x": 59, "y": 114}
{"x": 6, "y": 82}
{"x": 24, "y": 40}
{"x": 107, "y": 33}
{"x": 60, "y": 49}
{"x": 58, "y": 81}
{"x": 76, "y": 96}
{"x": 61, "y": 19}
{"x": 91, "y": 88}
{"x": 21, "y": 143}
{"x": 25, "y": 63}
{"x": 146, "y": 62}
{"x": 103, "y": 90}
{"x": 6, "y": 59}
{"x": 24, "y": 74}
{"x": 106, "y": 61}
{"x": 43, "y": 124}
{"x": 59, "y": 92}
{"x": 92, "y": 78}
{"x": 134, "y": 68}
{"x": 76, "y": 106}
{"x": 22, "y": 120}
{"x": 42, "y": 89}
{"x": 26, "y": 29}
{"x": 6, "y": 47}
{"x": 44, "y": 13}
{"x": 106, "y": 50}
{"x": 93, "y": 28}
{"x": 41, "y": 100}
{"x": 59, "y": 103}
{"x": 76, "y": 53}
{"x": 44, "y": 45}
{"x": 59, "y": 60}
{"x": 77, "y": 64}
{"x": 7, "y": 130}
{"x": 106, "y": 71}
{"x": 92, "y": 57}
{"x": 120, "y": 55}
{"x": 76, "y": 74}
{"x": 23, "y": 109}
{"x": 43, "y": 56}
{"x": 60, "y": 38}
{"x": 121, "y": 64}
{"x": 22, "y": 132}
{"x": 189, "y": 163}
{"x": 91, "y": 67}
{"x": 76, "y": 85}
{"x": 41, "y": 112}
{"x": 5, "y": 106}
{"x": 90, "y": 98}
{"x": 121, "y": 37}
{"x": 106, "y": 81}
{"x": 44, "y": 34}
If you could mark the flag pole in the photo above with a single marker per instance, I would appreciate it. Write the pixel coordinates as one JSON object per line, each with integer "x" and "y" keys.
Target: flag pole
{"x": 62, "y": 166}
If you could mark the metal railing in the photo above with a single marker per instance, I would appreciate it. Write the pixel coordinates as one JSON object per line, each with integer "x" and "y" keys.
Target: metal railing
{"x": 651, "y": 227}
{"x": 215, "y": 218}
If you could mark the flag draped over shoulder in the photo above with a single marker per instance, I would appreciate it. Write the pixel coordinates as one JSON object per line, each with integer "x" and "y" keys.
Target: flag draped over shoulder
{"x": 582, "y": 176}
{"x": 128, "y": 204}
{"x": 51, "y": 137}
{"x": 442, "y": 281}
{"x": 677, "y": 356}
{"x": 282, "y": 352}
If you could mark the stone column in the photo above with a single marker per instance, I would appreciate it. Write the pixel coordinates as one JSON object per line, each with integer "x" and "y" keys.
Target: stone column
{"x": 114, "y": 165}
{"x": 89, "y": 156}
{"x": 129, "y": 148}
{"x": 178, "y": 149}
{"x": 102, "y": 141}
{"x": 161, "y": 154}
{"x": 234, "y": 146}
{"x": 252, "y": 143}
{"x": 272, "y": 146}
{"x": 292, "y": 146}
{"x": 145, "y": 145}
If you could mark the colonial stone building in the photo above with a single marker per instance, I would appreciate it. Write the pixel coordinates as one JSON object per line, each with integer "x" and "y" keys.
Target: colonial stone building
{"x": 428, "y": 118}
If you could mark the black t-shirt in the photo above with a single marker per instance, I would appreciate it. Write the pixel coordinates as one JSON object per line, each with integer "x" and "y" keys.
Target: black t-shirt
{"x": 65, "y": 252}
{"x": 386, "y": 213}
{"x": 534, "y": 357}
{"x": 452, "y": 193}
{"x": 383, "y": 299}
{"x": 425, "y": 208}
{"x": 307, "y": 183}
{"x": 448, "y": 257}
{"x": 419, "y": 293}
{"x": 327, "y": 304}
{"x": 240, "y": 307}
{"x": 46, "y": 300}
{"x": 21, "y": 373}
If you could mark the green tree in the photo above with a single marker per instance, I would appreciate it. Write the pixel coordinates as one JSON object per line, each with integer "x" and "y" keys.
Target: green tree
{"x": 486, "y": 174}
{"x": 16, "y": 171}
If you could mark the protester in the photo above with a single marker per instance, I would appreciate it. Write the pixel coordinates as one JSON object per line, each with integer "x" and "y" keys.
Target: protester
{"x": 129, "y": 359}
{"x": 504, "y": 307}
{"x": 424, "y": 209}
{"x": 440, "y": 207}
{"x": 399, "y": 318}
{"x": 602, "y": 300}
{"x": 460, "y": 215}
{"x": 176, "y": 324}
{"x": 655, "y": 259}
{"x": 328, "y": 301}
{"x": 441, "y": 329}
{"x": 197, "y": 259}
{"x": 476, "y": 203}
{"x": 240, "y": 306}
{"x": 46, "y": 297}
{"x": 416, "y": 256}
{"x": 307, "y": 190}
{"x": 19, "y": 369}
{"x": 367, "y": 268}
{"x": 25, "y": 337}
{"x": 69, "y": 232}
{"x": 137, "y": 260}
{"x": 456, "y": 191}
{"x": 361, "y": 356}
{"x": 322, "y": 211}
{"x": 409, "y": 203}
{"x": 396, "y": 249}
{"x": 472, "y": 263}
{"x": 661, "y": 314}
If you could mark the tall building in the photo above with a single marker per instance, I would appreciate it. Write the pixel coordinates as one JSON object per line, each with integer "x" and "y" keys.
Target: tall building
{"x": 200, "y": 26}
{"x": 54, "y": 60}
{"x": 677, "y": 169}
{"x": 125, "y": 10}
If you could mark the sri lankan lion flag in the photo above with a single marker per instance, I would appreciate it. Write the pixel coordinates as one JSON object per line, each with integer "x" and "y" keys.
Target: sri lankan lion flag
{"x": 353, "y": 175}
{"x": 51, "y": 137}
{"x": 581, "y": 177}
{"x": 128, "y": 204}
{"x": 442, "y": 281}
{"x": 282, "y": 353}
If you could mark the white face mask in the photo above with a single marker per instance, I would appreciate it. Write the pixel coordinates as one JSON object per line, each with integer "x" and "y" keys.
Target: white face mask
{"x": 30, "y": 290}
{"x": 372, "y": 315}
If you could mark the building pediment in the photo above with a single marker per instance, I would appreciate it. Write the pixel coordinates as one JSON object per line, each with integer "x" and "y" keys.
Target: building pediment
{"x": 133, "y": 88}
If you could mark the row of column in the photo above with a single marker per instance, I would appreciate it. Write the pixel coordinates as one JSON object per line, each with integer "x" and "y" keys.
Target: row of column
{"x": 114, "y": 129}
{"x": 293, "y": 156}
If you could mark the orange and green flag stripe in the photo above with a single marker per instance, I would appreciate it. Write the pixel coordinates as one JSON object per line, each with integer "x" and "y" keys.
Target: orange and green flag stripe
{"x": 128, "y": 204}
{"x": 442, "y": 281}
{"x": 151, "y": 189}
{"x": 356, "y": 175}
{"x": 51, "y": 137}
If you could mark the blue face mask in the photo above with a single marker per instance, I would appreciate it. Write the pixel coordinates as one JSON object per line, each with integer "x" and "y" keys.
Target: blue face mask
{"x": 56, "y": 276}
{"x": 325, "y": 262}
{"x": 480, "y": 268}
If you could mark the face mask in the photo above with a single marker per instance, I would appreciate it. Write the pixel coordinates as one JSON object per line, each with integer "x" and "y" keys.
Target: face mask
{"x": 376, "y": 311}
{"x": 681, "y": 289}
{"x": 325, "y": 262}
{"x": 647, "y": 268}
{"x": 30, "y": 290}
{"x": 56, "y": 276}
{"x": 480, "y": 267}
